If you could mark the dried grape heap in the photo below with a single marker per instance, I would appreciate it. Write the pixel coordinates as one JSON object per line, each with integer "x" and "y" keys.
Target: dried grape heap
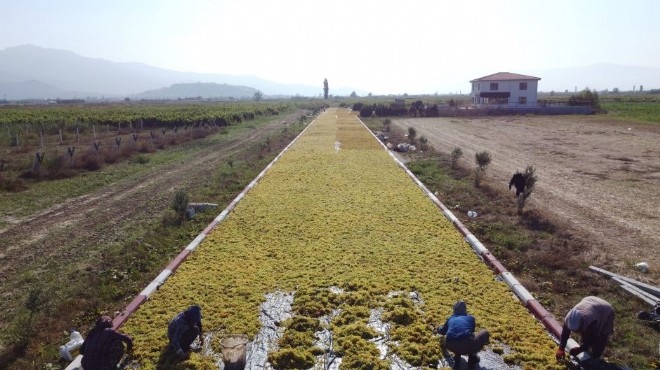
{"x": 337, "y": 211}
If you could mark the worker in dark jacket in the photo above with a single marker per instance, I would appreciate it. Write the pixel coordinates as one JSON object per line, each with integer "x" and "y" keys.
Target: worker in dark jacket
{"x": 459, "y": 335}
{"x": 184, "y": 329}
{"x": 104, "y": 346}
{"x": 593, "y": 319}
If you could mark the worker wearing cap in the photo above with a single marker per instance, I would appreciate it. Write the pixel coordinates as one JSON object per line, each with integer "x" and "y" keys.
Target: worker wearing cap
{"x": 593, "y": 319}
{"x": 184, "y": 329}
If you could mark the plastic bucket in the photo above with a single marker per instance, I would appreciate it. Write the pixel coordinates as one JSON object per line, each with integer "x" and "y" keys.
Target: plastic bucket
{"x": 233, "y": 351}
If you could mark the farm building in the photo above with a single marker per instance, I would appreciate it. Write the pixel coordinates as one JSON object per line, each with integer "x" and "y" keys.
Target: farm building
{"x": 505, "y": 88}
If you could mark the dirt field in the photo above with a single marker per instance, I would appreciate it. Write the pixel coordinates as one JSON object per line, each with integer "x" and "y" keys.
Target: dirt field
{"x": 601, "y": 174}
{"x": 70, "y": 234}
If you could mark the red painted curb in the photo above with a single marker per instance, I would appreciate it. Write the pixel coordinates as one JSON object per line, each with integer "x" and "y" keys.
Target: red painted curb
{"x": 546, "y": 317}
{"x": 463, "y": 230}
{"x": 127, "y": 311}
{"x": 210, "y": 227}
{"x": 493, "y": 262}
{"x": 174, "y": 264}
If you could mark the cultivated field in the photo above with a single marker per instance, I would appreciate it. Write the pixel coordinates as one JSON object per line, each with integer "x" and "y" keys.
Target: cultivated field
{"x": 601, "y": 174}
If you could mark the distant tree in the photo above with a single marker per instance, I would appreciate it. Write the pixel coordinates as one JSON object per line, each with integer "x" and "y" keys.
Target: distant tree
{"x": 615, "y": 90}
{"x": 412, "y": 134}
{"x": 482, "y": 160}
{"x": 325, "y": 88}
{"x": 585, "y": 97}
{"x": 258, "y": 95}
{"x": 353, "y": 95}
{"x": 369, "y": 95}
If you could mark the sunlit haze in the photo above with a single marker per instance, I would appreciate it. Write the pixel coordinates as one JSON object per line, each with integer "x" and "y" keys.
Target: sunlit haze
{"x": 375, "y": 46}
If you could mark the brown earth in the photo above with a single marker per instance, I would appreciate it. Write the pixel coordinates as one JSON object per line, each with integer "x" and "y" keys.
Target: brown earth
{"x": 600, "y": 174}
{"x": 74, "y": 232}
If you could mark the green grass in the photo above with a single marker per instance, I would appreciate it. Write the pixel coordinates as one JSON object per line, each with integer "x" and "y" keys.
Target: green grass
{"x": 639, "y": 111}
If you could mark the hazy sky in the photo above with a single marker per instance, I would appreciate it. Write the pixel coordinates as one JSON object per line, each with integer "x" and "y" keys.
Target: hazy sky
{"x": 380, "y": 46}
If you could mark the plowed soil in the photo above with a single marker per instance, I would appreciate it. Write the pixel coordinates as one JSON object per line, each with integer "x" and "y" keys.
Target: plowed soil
{"x": 600, "y": 174}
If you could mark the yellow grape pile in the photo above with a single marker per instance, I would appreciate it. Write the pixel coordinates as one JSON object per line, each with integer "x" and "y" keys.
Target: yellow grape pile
{"x": 337, "y": 211}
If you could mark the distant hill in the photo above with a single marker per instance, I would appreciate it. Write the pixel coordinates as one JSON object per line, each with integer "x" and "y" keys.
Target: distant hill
{"x": 33, "y": 90}
{"x": 70, "y": 72}
{"x": 208, "y": 90}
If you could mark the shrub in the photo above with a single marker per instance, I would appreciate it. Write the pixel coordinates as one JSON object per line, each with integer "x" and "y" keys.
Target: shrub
{"x": 482, "y": 160}
{"x": 180, "y": 203}
{"x": 530, "y": 180}
{"x": 456, "y": 154}
{"x": 386, "y": 124}
{"x": 585, "y": 97}
{"x": 412, "y": 134}
{"x": 90, "y": 162}
{"x": 423, "y": 141}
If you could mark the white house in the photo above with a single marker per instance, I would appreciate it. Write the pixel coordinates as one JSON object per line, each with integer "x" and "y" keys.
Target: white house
{"x": 505, "y": 88}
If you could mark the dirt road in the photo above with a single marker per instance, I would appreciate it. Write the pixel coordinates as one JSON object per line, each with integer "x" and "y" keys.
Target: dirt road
{"x": 601, "y": 174}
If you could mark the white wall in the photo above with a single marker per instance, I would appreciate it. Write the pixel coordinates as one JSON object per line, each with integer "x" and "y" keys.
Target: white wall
{"x": 512, "y": 86}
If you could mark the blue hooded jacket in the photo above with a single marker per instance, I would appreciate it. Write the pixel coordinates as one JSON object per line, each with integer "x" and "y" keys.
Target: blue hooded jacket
{"x": 459, "y": 325}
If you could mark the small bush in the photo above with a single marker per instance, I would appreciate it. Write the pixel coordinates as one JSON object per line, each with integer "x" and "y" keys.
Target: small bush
{"x": 90, "y": 162}
{"x": 530, "y": 180}
{"x": 386, "y": 124}
{"x": 140, "y": 159}
{"x": 456, "y": 154}
{"x": 180, "y": 203}
{"x": 412, "y": 135}
{"x": 423, "y": 142}
{"x": 482, "y": 160}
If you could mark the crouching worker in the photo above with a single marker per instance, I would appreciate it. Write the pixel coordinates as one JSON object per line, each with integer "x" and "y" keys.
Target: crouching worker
{"x": 593, "y": 319}
{"x": 184, "y": 329}
{"x": 104, "y": 346}
{"x": 459, "y": 335}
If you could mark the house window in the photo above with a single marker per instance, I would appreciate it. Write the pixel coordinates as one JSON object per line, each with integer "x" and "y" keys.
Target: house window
{"x": 493, "y": 86}
{"x": 523, "y": 86}
{"x": 522, "y": 100}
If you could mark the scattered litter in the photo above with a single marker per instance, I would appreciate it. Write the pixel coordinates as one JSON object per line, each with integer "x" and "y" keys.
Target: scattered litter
{"x": 472, "y": 214}
{"x": 642, "y": 266}
{"x": 76, "y": 340}
{"x": 194, "y": 208}
{"x": 337, "y": 146}
{"x": 405, "y": 147}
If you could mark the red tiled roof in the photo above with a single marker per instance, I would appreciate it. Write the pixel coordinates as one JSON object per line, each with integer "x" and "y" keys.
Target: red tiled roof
{"x": 505, "y": 76}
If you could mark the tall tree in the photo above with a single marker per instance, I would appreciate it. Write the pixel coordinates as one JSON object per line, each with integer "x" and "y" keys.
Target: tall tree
{"x": 325, "y": 88}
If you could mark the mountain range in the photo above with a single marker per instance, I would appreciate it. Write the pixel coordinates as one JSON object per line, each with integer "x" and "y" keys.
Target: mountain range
{"x": 32, "y": 72}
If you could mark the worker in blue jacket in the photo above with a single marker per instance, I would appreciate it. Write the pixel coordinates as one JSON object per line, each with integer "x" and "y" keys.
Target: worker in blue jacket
{"x": 460, "y": 337}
